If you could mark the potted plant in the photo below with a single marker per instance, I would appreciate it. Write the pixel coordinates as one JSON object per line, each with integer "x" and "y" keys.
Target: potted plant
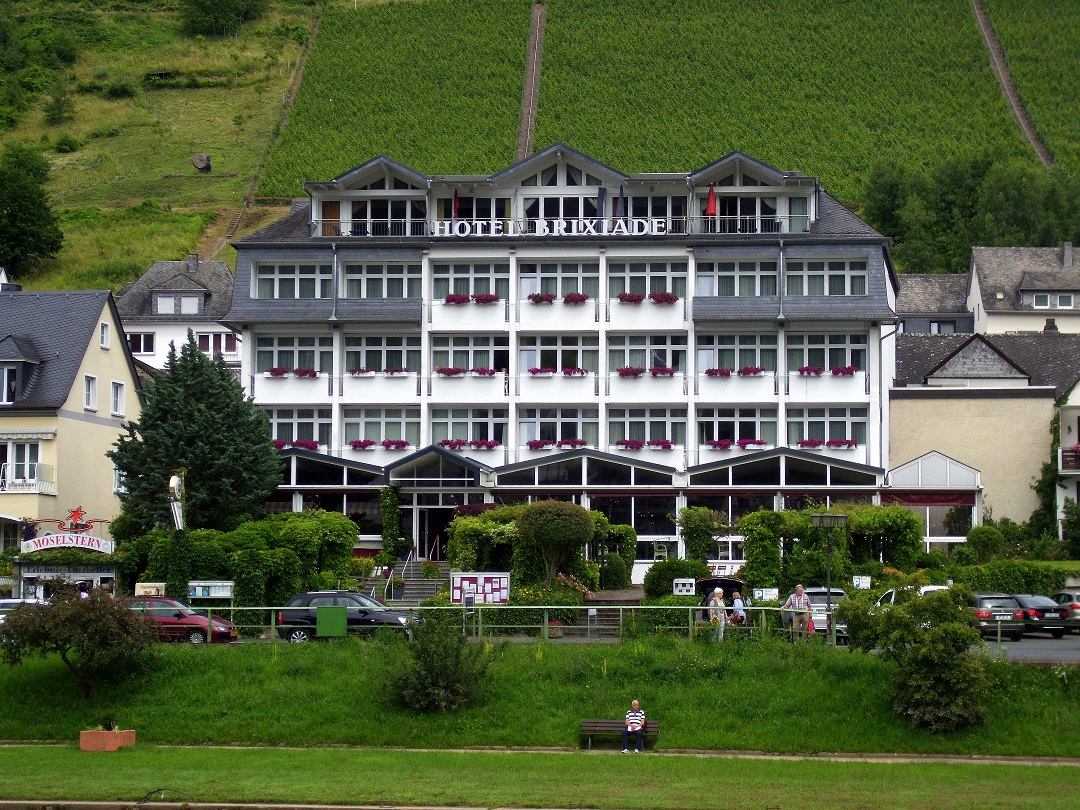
{"x": 305, "y": 372}
{"x": 480, "y": 371}
{"x": 663, "y": 298}
{"x": 718, "y": 372}
{"x": 397, "y": 588}
{"x": 539, "y": 444}
{"x": 630, "y": 444}
{"x": 662, "y": 371}
{"x": 362, "y": 444}
{"x": 541, "y": 372}
{"x": 631, "y": 371}
{"x": 276, "y": 371}
{"x": 720, "y": 444}
{"x": 306, "y": 444}
{"x": 106, "y": 737}
{"x": 751, "y": 371}
{"x": 575, "y": 372}
{"x": 456, "y": 298}
{"x": 555, "y": 628}
{"x": 660, "y": 444}
{"x": 844, "y": 371}
{"x": 542, "y": 298}
{"x": 394, "y": 444}
{"x": 280, "y": 444}
{"x": 747, "y": 443}
{"x": 396, "y": 371}
{"x": 485, "y": 298}
{"x": 575, "y": 298}
{"x": 453, "y": 444}
{"x": 571, "y": 443}
{"x": 630, "y": 298}
{"x": 485, "y": 444}
{"x": 811, "y": 444}
{"x": 449, "y": 371}
{"x": 811, "y": 371}
{"x": 843, "y": 444}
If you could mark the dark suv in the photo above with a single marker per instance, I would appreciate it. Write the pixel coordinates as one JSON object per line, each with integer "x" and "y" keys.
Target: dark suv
{"x": 1043, "y": 615}
{"x": 296, "y": 621}
{"x": 998, "y": 609}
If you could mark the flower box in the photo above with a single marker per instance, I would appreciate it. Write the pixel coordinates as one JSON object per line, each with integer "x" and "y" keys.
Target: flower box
{"x": 101, "y": 740}
{"x": 362, "y": 372}
{"x": 630, "y": 298}
{"x": 660, "y": 444}
{"x": 745, "y": 444}
{"x": 485, "y": 444}
{"x": 397, "y": 372}
{"x": 575, "y": 372}
{"x": 362, "y": 444}
{"x": 630, "y": 444}
{"x": 539, "y": 444}
{"x": 662, "y": 371}
{"x": 542, "y": 298}
{"x": 631, "y": 371}
{"x": 718, "y": 372}
{"x": 482, "y": 372}
{"x": 455, "y": 298}
{"x": 844, "y": 371}
{"x": 575, "y": 298}
{"x": 720, "y": 444}
{"x": 571, "y": 443}
{"x": 394, "y": 444}
{"x": 842, "y": 444}
{"x": 810, "y": 371}
{"x": 305, "y": 372}
{"x": 450, "y": 372}
{"x": 811, "y": 444}
{"x": 454, "y": 444}
{"x": 555, "y": 629}
{"x": 305, "y": 444}
{"x": 663, "y": 298}
{"x": 751, "y": 371}
{"x": 485, "y": 298}
{"x": 542, "y": 372}
{"x": 276, "y": 371}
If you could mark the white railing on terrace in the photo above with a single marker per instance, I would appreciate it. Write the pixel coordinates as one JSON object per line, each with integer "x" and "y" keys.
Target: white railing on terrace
{"x": 571, "y": 226}
{"x": 26, "y": 477}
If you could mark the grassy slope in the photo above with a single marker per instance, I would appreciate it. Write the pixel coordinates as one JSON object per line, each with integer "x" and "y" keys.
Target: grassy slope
{"x": 518, "y": 779}
{"x": 1042, "y": 45}
{"x": 823, "y": 87}
{"x": 436, "y": 85}
{"x": 749, "y": 696}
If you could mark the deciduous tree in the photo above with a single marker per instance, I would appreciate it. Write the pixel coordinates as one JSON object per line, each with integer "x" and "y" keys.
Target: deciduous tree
{"x": 28, "y": 227}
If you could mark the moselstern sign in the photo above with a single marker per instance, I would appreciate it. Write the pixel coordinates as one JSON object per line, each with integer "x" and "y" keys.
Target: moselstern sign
{"x": 67, "y": 541}
{"x": 552, "y": 227}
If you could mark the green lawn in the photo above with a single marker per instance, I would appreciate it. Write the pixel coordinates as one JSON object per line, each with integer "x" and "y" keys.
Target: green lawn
{"x": 494, "y": 779}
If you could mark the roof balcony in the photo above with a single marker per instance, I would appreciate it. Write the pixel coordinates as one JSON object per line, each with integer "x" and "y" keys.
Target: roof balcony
{"x": 24, "y": 477}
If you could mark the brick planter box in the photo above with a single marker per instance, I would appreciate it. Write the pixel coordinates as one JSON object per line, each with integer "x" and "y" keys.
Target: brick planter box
{"x": 98, "y": 740}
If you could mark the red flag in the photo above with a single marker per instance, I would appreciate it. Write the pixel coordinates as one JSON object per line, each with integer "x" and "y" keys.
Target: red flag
{"x": 710, "y": 202}
{"x": 457, "y": 204}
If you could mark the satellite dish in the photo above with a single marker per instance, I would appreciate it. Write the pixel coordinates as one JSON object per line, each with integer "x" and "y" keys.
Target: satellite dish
{"x": 201, "y": 162}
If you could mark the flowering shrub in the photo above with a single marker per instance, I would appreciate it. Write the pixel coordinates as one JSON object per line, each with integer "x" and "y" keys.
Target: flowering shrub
{"x": 662, "y": 371}
{"x": 750, "y": 371}
{"x": 539, "y": 444}
{"x": 455, "y": 298}
{"x": 277, "y": 371}
{"x": 453, "y": 444}
{"x": 575, "y": 298}
{"x": 542, "y": 298}
{"x": 483, "y": 372}
{"x": 812, "y": 371}
{"x": 572, "y": 583}
{"x": 306, "y": 444}
{"x": 663, "y": 297}
{"x": 842, "y": 443}
{"x": 485, "y": 298}
{"x": 630, "y": 444}
{"x": 844, "y": 371}
{"x": 452, "y": 371}
{"x": 631, "y": 371}
{"x": 571, "y": 443}
{"x": 631, "y": 298}
{"x": 718, "y": 372}
{"x": 394, "y": 444}
{"x": 812, "y": 443}
{"x": 280, "y": 444}
{"x": 1075, "y": 448}
{"x": 485, "y": 444}
{"x": 361, "y": 444}
{"x": 541, "y": 371}
{"x": 744, "y": 443}
{"x": 574, "y": 372}
{"x": 663, "y": 444}
{"x": 397, "y": 370}
{"x": 355, "y": 371}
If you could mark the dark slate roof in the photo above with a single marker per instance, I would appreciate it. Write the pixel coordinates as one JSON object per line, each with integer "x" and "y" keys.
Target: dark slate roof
{"x": 802, "y": 308}
{"x": 835, "y": 219}
{"x": 932, "y": 293}
{"x": 136, "y": 300}
{"x": 1048, "y": 358}
{"x": 293, "y": 227}
{"x": 59, "y": 326}
{"x": 1002, "y": 269}
{"x": 1050, "y": 280}
{"x": 18, "y": 349}
{"x": 314, "y": 310}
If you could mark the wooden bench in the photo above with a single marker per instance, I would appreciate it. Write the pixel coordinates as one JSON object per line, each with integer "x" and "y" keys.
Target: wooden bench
{"x": 614, "y": 728}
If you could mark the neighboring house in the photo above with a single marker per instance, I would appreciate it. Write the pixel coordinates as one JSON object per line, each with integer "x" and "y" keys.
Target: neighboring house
{"x": 986, "y": 401}
{"x": 934, "y": 303}
{"x": 372, "y": 290}
{"x": 173, "y": 297}
{"x": 1021, "y": 289}
{"x": 69, "y": 387}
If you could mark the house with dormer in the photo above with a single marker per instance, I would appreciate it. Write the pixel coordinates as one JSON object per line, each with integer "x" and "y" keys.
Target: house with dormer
{"x": 68, "y": 388}
{"x": 1024, "y": 289}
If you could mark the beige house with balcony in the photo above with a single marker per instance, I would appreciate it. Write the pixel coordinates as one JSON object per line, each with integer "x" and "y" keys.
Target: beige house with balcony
{"x": 68, "y": 388}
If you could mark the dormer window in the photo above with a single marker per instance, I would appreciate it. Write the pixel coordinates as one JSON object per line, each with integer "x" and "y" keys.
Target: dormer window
{"x": 1042, "y": 301}
{"x": 1065, "y": 301}
{"x": 8, "y": 379}
{"x": 562, "y": 175}
{"x": 177, "y": 305}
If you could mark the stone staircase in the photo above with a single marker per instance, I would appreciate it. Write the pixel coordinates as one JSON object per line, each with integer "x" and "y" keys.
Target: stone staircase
{"x": 605, "y": 622}
{"x": 417, "y": 589}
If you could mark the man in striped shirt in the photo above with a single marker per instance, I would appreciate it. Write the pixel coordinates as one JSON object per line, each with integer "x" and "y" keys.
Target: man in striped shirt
{"x": 799, "y": 603}
{"x": 635, "y": 724}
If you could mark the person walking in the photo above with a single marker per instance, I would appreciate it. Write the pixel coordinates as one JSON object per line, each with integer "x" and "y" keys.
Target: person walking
{"x": 635, "y": 724}
{"x": 738, "y": 612}
{"x": 718, "y": 613}
{"x": 799, "y": 604}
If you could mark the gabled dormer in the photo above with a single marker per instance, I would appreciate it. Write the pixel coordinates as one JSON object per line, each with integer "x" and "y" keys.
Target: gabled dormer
{"x": 739, "y": 194}
{"x": 381, "y": 197}
{"x": 18, "y": 359}
{"x": 181, "y": 296}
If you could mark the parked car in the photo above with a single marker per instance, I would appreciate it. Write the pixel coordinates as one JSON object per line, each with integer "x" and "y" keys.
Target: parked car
{"x": 296, "y": 621}
{"x": 994, "y": 609}
{"x": 1070, "y": 599}
{"x": 8, "y": 605}
{"x": 889, "y": 597}
{"x": 174, "y": 620}
{"x": 1043, "y": 615}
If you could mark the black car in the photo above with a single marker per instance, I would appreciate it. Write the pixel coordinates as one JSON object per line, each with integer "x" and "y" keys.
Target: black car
{"x": 297, "y": 620}
{"x": 1043, "y": 615}
{"x": 994, "y": 610}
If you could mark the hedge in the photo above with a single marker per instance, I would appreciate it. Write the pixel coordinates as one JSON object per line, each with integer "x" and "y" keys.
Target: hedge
{"x": 1014, "y": 576}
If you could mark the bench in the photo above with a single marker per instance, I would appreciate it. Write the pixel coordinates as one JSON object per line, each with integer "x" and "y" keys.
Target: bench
{"x": 614, "y": 728}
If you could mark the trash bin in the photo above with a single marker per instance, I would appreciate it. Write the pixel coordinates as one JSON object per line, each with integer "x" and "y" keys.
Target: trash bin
{"x": 331, "y": 621}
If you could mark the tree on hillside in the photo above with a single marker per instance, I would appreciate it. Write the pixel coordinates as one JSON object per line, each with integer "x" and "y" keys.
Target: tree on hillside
{"x": 217, "y": 17}
{"x": 196, "y": 419}
{"x": 28, "y": 228}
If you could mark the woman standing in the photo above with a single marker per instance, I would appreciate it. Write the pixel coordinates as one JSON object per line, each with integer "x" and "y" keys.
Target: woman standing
{"x": 718, "y": 613}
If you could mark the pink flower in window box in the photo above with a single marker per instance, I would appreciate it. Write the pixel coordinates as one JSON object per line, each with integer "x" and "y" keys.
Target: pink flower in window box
{"x": 546, "y": 371}
{"x": 630, "y": 444}
{"x": 277, "y": 371}
{"x": 575, "y": 298}
{"x": 811, "y": 371}
{"x": 572, "y": 443}
{"x": 362, "y": 444}
{"x": 574, "y": 372}
{"x": 842, "y": 443}
{"x": 631, "y": 371}
{"x": 453, "y": 444}
{"x": 662, "y": 371}
{"x": 720, "y": 444}
{"x": 479, "y": 371}
{"x": 747, "y": 443}
{"x": 718, "y": 372}
{"x": 661, "y": 444}
{"x": 451, "y": 371}
{"x": 485, "y": 444}
{"x": 750, "y": 371}
{"x": 539, "y": 444}
{"x": 485, "y": 298}
{"x": 542, "y": 298}
{"x": 663, "y": 298}
{"x": 811, "y": 444}
{"x": 305, "y": 372}
{"x": 306, "y": 444}
{"x": 394, "y": 444}
{"x": 844, "y": 371}
{"x": 456, "y": 298}
{"x": 630, "y": 298}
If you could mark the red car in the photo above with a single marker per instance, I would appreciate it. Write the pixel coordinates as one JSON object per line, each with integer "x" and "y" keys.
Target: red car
{"x": 176, "y": 621}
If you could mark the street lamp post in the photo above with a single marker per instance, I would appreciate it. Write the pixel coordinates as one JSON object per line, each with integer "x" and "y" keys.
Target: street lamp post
{"x": 828, "y": 522}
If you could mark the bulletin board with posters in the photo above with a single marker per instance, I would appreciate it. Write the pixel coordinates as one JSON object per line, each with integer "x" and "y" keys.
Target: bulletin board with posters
{"x": 480, "y": 588}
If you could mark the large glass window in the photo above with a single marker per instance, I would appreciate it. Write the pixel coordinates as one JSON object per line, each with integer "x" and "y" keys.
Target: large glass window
{"x": 475, "y": 209}
{"x": 646, "y": 351}
{"x": 648, "y": 514}
{"x": 645, "y": 424}
{"x": 387, "y": 217}
{"x": 294, "y": 281}
{"x": 826, "y": 424}
{"x": 559, "y": 352}
{"x": 18, "y": 462}
{"x": 672, "y": 209}
{"x": 826, "y": 278}
{"x": 746, "y": 279}
{"x": 294, "y": 352}
{"x": 733, "y": 352}
{"x": 470, "y": 424}
{"x": 743, "y": 214}
{"x": 141, "y": 342}
{"x": 295, "y": 424}
{"x": 715, "y": 424}
{"x": 471, "y": 351}
{"x": 559, "y": 424}
{"x": 214, "y": 343}
{"x": 644, "y": 278}
{"x": 383, "y": 280}
{"x": 379, "y": 353}
{"x": 383, "y": 424}
{"x": 563, "y": 207}
{"x": 826, "y": 351}
{"x": 560, "y": 279}
{"x": 470, "y": 279}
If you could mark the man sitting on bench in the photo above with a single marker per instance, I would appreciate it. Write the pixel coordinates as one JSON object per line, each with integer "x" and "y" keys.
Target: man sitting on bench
{"x": 635, "y": 724}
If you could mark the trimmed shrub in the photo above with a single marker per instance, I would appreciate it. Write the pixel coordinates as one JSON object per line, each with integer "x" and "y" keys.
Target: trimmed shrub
{"x": 614, "y": 574}
{"x": 626, "y": 538}
{"x": 1012, "y": 576}
{"x": 555, "y": 532}
{"x": 659, "y": 577}
{"x": 986, "y": 541}
{"x": 650, "y": 620}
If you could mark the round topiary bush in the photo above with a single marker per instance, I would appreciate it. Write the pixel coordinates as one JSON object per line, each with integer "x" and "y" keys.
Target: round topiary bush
{"x": 614, "y": 575}
{"x": 659, "y": 578}
{"x": 554, "y": 533}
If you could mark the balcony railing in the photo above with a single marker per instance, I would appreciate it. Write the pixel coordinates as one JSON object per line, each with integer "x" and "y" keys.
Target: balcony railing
{"x": 26, "y": 477}
{"x": 568, "y": 227}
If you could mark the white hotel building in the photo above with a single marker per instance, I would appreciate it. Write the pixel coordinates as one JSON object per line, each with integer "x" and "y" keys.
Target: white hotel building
{"x": 376, "y": 272}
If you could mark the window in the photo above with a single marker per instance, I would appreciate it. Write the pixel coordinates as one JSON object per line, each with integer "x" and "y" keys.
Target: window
{"x": 826, "y": 278}
{"x": 471, "y": 424}
{"x": 475, "y": 209}
{"x": 383, "y": 280}
{"x": 740, "y": 214}
{"x": 294, "y": 352}
{"x": 118, "y": 485}
{"x": 294, "y": 424}
{"x": 942, "y": 327}
{"x": 645, "y": 424}
{"x": 736, "y": 351}
{"x": 385, "y": 217}
{"x": 90, "y": 392}
{"x": 103, "y": 335}
{"x": 141, "y": 342}
{"x": 560, "y": 279}
{"x": 9, "y": 532}
{"x": 745, "y": 279}
{"x": 470, "y": 279}
{"x": 558, "y": 424}
{"x": 825, "y": 424}
{"x": 18, "y": 462}
{"x": 569, "y": 175}
{"x": 116, "y": 399}
{"x": 377, "y": 353}
{"x": 177, "y": 305}
{"x": 826, "y": 351}
{"x": 478, "y": 351}
{"x": 189, "y": 305}
{"x": 646, "y": 351}
{"x": 213, "y": 344}
{"x": 800, "y": 222}
{"x": 559, "y": 352}
{"x": 736, "y": 423}
{"x": 1042, "y": 301}
{"x": 648, "y": 514}
{"x": 1065, "y": 301}
{"x": 166, "y": 305}
{"x": 644, "y": 278}
{"x": 8, "y": 384}
{"x": 289, "y": 281}
{"x": 382, "y": 424}
{"x": 653, "y": 207}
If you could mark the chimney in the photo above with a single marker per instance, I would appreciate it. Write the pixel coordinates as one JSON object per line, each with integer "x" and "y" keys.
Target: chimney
{"x": 193, "y": 263}
{"x": 1066, "y": 256}
{"x": 1051, "y": 325}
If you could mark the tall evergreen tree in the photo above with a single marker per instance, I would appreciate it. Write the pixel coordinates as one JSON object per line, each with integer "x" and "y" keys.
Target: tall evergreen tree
{"x": 28, "y": 228}
{"x": 196, "y": 419}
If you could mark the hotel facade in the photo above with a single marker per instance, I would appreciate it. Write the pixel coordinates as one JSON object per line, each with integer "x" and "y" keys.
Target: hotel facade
{"x": 636, "y": 343}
